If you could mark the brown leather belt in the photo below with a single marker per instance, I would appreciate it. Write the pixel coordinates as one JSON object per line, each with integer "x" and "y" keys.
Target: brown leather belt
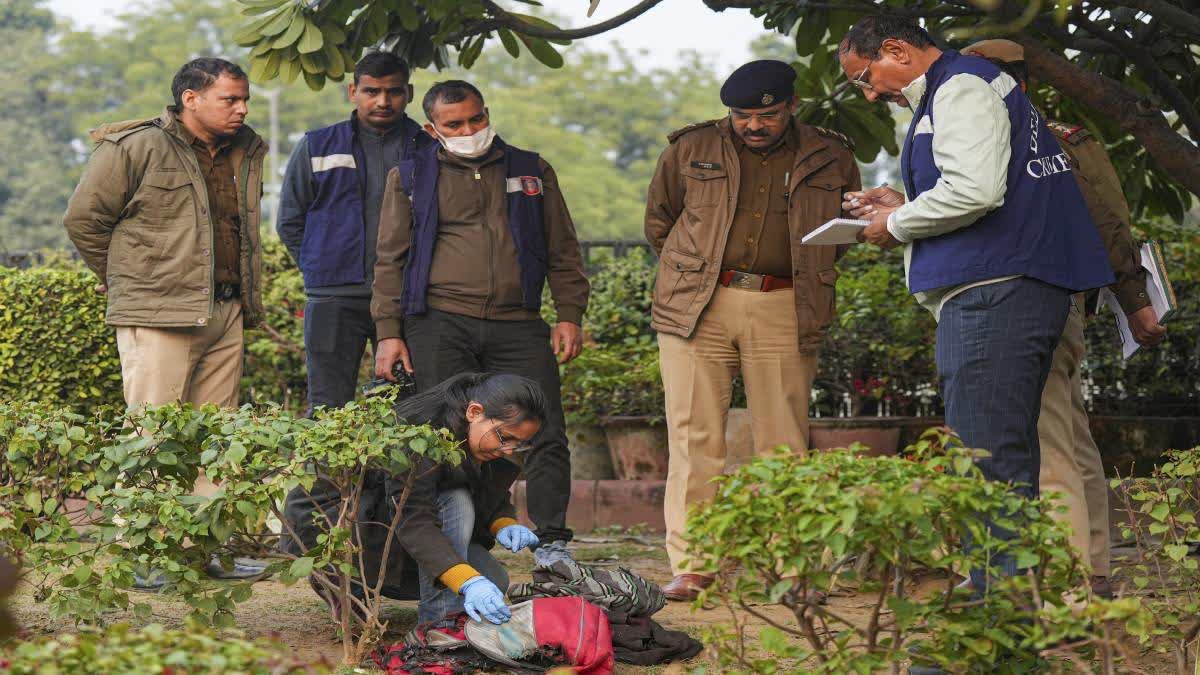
{"x": 753, "y": 282}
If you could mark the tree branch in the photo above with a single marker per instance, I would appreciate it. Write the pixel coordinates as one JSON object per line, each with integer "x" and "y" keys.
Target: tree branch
{"x": 1178, "y": 18}
{"x": 1155, "y": 77}
{"x": 517, "y": 25}
{"x": 1132, "y": 112}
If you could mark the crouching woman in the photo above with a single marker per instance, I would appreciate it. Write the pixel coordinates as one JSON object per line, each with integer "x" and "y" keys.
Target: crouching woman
{"x": 454, "y": 514}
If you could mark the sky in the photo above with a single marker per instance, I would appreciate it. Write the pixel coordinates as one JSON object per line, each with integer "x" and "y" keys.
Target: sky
{"x": 663, "y": 31}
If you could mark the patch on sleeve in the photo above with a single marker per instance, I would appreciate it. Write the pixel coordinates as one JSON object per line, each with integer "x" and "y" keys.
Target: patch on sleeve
{"x": 1071, "y": 133}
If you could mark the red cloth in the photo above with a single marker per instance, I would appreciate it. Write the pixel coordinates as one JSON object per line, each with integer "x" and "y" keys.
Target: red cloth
{"x": 577, "y": 627}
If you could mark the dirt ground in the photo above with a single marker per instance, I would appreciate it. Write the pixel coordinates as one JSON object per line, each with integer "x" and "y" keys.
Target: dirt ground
{"x": 299, "y": 619}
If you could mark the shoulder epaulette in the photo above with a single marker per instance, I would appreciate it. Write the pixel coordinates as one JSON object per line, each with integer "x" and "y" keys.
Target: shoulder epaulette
{"x": 690, "y": 128}
{"x": 115, "y": 133}
{"x": 836, "y": 135}
{"x": 1072, "y": 134}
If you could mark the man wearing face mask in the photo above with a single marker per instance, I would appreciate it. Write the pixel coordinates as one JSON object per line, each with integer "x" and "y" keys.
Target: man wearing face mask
{"x": 329, "y": 218}
{"x": 470, "y": 230}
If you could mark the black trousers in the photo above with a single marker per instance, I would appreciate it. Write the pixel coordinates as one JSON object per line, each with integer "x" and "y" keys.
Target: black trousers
{"x": 443, "y": 344}
{"x": 336, "y": 332}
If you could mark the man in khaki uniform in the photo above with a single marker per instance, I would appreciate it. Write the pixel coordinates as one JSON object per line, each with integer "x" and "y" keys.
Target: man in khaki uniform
{"x": 167, "y": 214}
{"x": 730, "y": 201}
{"x": 1071, "y": 463}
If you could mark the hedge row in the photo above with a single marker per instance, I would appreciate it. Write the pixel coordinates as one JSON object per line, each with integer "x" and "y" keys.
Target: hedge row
{"x": 878, "y": 356}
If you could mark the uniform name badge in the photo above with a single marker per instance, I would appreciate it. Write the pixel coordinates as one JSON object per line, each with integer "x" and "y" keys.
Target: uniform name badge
{"x": 530, "y": 185}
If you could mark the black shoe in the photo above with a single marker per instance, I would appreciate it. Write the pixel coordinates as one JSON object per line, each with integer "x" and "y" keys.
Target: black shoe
{"x": 240, "y": 571}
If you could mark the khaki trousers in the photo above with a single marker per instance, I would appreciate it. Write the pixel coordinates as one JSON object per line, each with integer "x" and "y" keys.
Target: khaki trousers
{"x": 741, "y": 330}
{"x": 1071, "y": 462}
{"x": 190, "y": 365}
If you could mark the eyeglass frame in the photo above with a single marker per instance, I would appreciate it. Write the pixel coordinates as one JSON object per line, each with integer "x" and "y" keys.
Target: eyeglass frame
{"x": 861, "y": 83}
{"x": 513, "y": 446}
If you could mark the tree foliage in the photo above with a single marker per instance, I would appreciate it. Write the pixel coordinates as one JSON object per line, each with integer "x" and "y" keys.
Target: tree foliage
{"x": 1121, "y": 64}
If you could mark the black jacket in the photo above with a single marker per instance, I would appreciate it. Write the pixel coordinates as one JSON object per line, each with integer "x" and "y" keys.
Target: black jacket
{"x": 420, "y": 538}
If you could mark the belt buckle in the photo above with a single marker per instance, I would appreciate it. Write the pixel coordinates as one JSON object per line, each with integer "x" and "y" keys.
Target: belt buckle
{"x": 745, "y": 280}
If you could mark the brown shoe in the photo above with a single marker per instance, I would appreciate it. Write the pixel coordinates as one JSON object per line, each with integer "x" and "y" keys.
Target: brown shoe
{"x": 685, "y": 587}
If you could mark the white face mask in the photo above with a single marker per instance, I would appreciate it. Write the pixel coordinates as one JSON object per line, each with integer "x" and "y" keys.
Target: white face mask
{"x": 471, "y": 146}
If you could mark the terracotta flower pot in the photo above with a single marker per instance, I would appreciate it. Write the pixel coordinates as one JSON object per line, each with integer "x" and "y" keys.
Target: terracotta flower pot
{"x": 590, "y": 456}
{"x": 880, "y": 434}
{"x": 638, "y": 447}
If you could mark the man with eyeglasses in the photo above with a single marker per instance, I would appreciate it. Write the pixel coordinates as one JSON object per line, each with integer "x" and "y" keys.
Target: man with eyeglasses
{"x": 729, "y": 204}
{"x": 996, "y": 234}
{"x": 1071, "y": 463}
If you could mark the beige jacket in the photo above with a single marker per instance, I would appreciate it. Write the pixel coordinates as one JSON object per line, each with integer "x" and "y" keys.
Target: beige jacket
{"x": 690, "y": 209}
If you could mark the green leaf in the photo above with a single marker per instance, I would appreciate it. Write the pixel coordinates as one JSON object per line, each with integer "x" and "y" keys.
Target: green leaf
{"x": 509, "y": 41}
{"x": 288, "y": 37}
{"x": 34, "y": 501}
{"x": 281, "y": 21}
{"x": 542, "y": 51}
{"x": 312, "y": 39}
{"x": 301, "y": 567}
{"x": 1176, "y": 552}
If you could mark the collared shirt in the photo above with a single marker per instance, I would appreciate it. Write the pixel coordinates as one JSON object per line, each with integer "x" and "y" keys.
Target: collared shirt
{"x": 971, "y": 150}
{"x": 760, "y": 240}
{"x": 220, "y": 181}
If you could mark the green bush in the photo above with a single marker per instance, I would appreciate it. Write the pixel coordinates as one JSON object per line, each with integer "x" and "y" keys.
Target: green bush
{"x": 878, "y": 353}
{"x": 137, "y": 473}
{"x": 122, "y": 650}
{"x": 275, "y": 371}
{"x": 613, "y": 379}
{"x": 619, "y": 305}
{"x": 786, "y": 526}
{"x": 54, "y": 344}
{"x": 1162, "y": 512}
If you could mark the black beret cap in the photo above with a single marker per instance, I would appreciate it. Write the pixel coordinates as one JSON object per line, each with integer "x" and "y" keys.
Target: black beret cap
{"x": 758, "y": 84}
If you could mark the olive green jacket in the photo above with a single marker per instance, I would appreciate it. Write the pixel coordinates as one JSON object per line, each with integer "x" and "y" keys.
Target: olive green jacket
{"x": 140, "y": 219}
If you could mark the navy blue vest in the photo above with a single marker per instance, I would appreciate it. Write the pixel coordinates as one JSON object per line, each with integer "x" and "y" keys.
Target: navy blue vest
{"x": 334, "y": 248}
{"x": 1042, "y": 230}
{"x": 420, "y": 180}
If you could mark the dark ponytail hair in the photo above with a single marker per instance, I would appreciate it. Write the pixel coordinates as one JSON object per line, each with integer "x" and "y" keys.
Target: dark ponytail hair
{"x": 512, "y": 399}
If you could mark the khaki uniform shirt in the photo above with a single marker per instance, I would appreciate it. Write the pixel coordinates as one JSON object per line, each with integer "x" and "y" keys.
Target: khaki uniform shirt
{"x": 759, "y": 241}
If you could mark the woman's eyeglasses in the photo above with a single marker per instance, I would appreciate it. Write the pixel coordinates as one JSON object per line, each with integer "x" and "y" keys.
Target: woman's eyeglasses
{"x": 511, "y": 444}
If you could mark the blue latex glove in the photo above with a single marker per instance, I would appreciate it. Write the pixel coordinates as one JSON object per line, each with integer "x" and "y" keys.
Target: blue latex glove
{"x": 516, "y": 537}
{"x": 484, "y": 600}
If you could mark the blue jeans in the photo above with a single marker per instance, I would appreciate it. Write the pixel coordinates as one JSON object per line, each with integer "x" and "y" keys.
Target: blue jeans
{"x": 457, "y": 512}
{"x": 994, "y": 348}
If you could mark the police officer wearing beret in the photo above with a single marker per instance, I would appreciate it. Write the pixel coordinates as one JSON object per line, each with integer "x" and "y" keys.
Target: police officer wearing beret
{"x": 1070, "y": 460}
{"x": 730, "y": 201}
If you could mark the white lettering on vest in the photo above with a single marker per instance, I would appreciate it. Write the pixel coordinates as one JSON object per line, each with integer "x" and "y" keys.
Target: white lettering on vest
{"x": 1033, "y": 129}
{"x": 1040, "y": 167}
